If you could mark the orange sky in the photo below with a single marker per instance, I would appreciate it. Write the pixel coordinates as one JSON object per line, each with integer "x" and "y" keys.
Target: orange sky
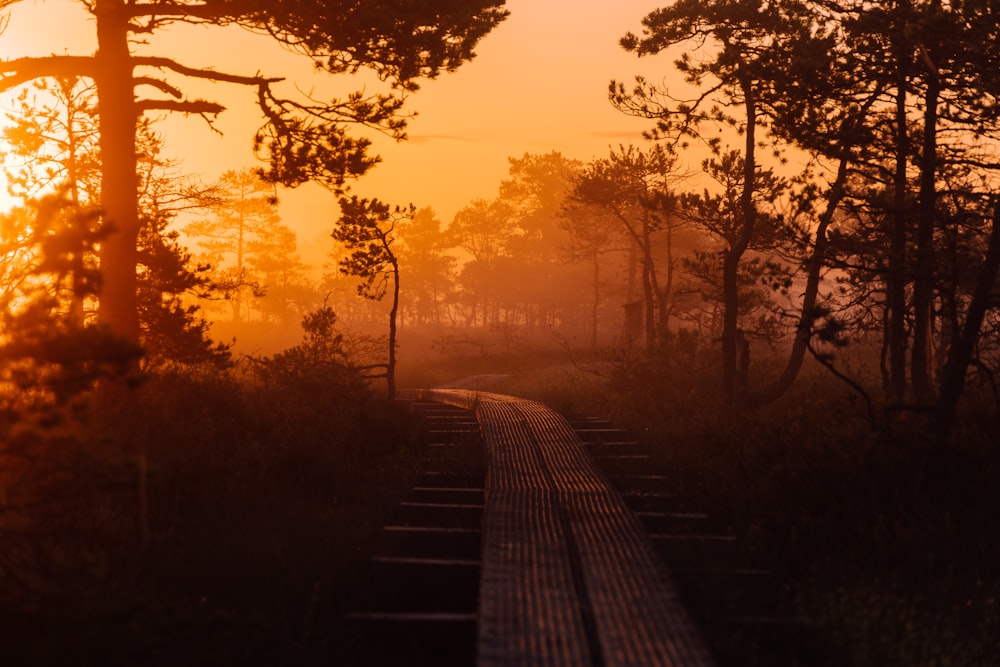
{"x": 539, "y": 84}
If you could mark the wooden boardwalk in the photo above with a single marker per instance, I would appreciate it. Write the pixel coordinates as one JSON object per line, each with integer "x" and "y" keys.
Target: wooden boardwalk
{"x": 569, "y": 576}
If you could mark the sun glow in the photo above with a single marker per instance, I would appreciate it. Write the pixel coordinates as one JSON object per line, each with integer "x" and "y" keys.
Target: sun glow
{"x": 38, "y": 29}
{"x": 7, "y": 202}
{"x": 538, "y": 84}
{"x": 41, "y": 29}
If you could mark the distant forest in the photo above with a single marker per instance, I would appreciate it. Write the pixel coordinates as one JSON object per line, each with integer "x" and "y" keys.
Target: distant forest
{"x": 789, "y": 287}
{"x": 824, "y": 177}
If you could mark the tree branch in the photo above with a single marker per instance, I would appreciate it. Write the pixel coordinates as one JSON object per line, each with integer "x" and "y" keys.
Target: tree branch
{"x": 159, "y": 85}
{"x": 15, "y": 72}
{"x": 176, "y": 10}
{"x": 824, "y": 360}
{"x": 201, "y": 107}
{"x": 199, "y": 73}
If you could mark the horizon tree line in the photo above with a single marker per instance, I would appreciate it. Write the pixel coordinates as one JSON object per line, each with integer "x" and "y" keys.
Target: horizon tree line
{"x": 886, "y": 236}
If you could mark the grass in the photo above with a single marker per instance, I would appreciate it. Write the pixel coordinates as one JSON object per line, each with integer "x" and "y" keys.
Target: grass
{"x": 265, "y": 495}
{"x": 262, "y": 501}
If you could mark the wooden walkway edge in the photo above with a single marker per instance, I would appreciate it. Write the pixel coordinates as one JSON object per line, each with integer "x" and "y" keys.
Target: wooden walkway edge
{"x": 569, "y": 576}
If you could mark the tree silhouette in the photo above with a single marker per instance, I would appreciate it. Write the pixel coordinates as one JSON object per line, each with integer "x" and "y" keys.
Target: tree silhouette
{"x": 428, "y": 266}
{"x": 282, "y": 272}
{"x": 483, "y": 229}
{"x": 367, "y": 229}
{"x": 538, "y": 282}
{"x": 244, "y": 233}
{"x": 592, "y": 235}
{"x": 52, "y": 142}
{"x": 773, "y": 71}
{"x": 303, "y": 139}
{"x": 896, "y": 103}
{"x": 634, "y": 189}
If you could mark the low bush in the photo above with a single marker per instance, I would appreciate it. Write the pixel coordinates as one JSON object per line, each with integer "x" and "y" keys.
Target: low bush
{"x": 203, "y": 519}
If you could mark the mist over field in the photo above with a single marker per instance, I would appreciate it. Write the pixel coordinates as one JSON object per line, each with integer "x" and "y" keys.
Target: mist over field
{"x": 747, "y": 251}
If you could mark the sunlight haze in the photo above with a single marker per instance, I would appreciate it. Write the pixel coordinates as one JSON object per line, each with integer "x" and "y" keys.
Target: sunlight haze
{"x": 538, "y": 84}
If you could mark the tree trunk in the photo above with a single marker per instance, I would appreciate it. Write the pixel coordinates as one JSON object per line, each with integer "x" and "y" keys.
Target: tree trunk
{"x": 807, "y": 316}
{"x": 633, "y": 262}
{"x": 390, "y": 369}
{"x": 896, "y": 280}
{"x": 960, "y": 353}
{"x": 118, "y": 307}
{"x": 921, "y": 360}
{"x": 596, "y": 306}
{"x": 664, "y": 295}
{"x": 733, "y": 255}
{"x": 649, "y": 301}
{"x": 730, "y": 321}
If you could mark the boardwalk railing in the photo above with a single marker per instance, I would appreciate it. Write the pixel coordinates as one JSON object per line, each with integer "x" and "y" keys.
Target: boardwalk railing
{"x": 569, "y": 576}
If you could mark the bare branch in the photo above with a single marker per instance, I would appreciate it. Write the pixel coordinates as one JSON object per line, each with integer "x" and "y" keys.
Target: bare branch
{"x": 159, "y": 85}
{"x": 209, "y": 74}
{"x": 168, "y": 11}
{"x": 15, "y": 72}
{"x": 201, "y": 107}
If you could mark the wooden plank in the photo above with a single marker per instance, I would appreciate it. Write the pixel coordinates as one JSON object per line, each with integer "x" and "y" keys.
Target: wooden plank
{"x": 569, "y": 576}
{"x": 429, "y": 529}
{"x": 456, "y": 506}
{"x": 412, "y": 617}
{"x": 438, "y": 562}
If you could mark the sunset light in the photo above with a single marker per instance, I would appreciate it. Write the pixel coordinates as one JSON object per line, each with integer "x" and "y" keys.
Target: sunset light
{"x": 477, "y": 333}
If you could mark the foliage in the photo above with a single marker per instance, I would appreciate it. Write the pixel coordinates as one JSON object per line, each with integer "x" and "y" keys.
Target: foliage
{"x": 367, "y": 230}
{"x": 320, "y": 366}
{"x": 51, "y": 360}
{"x": 304, "y": 139}
{"x": 251, "y": 253}
{"x": 636, "y": 190}
{"x": 53, "y": 142}
{"x": 428, "y": 265}
{"x": 261, "y": 509}
{"x": 871, "y": 95}
{"x": 49, "y": 352}
{"x": 173, "y": 331}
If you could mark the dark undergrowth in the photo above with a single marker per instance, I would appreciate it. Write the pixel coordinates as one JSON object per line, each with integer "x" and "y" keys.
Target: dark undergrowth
{"x": 211, "y": 520}
{"x": 890, "y": 550}
{"x": 218, "y": 520}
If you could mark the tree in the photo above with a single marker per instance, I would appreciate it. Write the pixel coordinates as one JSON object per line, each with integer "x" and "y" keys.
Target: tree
{"x": 719, "y": 216}
{"x": 772, "y": 68}
{"x": 591, "y": 236}
{"x": 47, "y": 353}
{"x": 634, "y": 188}
{"x": 540, "y": 285}
{"x": 898, "y": 102}
{"x": 53, "y": 141}
{"x": 367, "y": 228}
{"x": 919, "y": 192}
{"x": 739, "y": 33}
{"x": 320, "y": 364}
{"x": 243, "y": 240}
{"x": 53, "y": 144}
{"x": 483, "y": 229}
{"x": 17, "y": 252}
{"x": 274, "y": 257}
{"x": 303, "y": 139}
{"x": 428, "y": 266}
{"x": 536, "y": 188}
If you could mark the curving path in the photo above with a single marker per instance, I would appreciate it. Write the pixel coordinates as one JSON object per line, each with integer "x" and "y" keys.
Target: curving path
{"x": 569, "y": 576}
